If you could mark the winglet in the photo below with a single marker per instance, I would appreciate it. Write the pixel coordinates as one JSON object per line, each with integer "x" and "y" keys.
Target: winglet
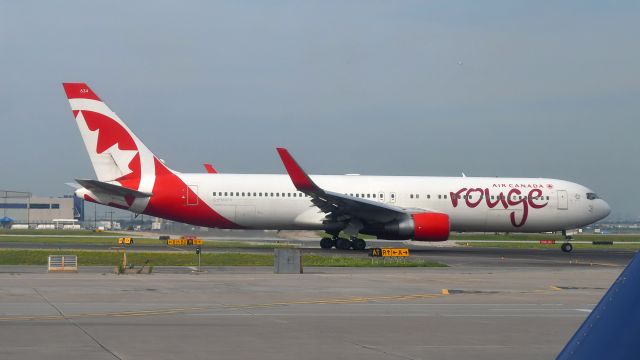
{"x": 210, "y": 169}
{"x": 300, "y": 179}
{"x": 611, "y": 330}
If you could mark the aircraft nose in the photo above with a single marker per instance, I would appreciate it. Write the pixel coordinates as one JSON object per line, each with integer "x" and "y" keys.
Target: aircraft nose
{"x": 604, "y": 209}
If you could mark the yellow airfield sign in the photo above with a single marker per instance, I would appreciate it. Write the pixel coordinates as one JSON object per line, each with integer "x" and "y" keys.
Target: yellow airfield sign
{"x": 388, "y": 252}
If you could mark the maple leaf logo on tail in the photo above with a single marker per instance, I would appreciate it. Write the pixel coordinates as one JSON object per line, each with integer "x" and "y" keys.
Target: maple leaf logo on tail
{"x": 117, "y": 155}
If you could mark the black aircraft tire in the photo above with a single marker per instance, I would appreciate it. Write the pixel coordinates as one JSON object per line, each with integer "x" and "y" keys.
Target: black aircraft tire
{"x": 326, "y": 243}
{"x": 359, "y": 244}
{"x": 343, "y": 244}
{"x": 566, "y": 247}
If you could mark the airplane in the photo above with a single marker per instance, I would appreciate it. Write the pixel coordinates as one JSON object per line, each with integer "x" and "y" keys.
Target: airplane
{"x": 421, "y": 208}
{"x": 611, "y": 330}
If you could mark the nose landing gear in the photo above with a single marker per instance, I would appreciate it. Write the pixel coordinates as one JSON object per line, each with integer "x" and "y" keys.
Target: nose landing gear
{"x": 566, "y": 246}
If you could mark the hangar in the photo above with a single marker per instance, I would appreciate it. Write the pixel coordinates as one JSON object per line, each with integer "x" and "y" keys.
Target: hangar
{"x": 23, "y": 209}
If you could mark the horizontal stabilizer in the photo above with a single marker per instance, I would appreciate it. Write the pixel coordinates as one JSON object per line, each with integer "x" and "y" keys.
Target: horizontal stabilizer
{"x": 111, "y": 189}
{"x": 73, "y": 185}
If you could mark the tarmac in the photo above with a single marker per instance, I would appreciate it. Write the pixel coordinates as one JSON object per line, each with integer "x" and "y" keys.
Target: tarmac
{"x": 522, "y": 305}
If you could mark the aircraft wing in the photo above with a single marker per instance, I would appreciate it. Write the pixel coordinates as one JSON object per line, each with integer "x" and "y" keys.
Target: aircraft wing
{"x": 611, "y": 330}
{"x": 111, "y": 189}
{"x": 341, "y": 206}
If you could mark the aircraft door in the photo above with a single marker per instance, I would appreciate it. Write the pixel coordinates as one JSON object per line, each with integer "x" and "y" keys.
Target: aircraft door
{"x": 191, "y": 197}
{"x": 563, "y": 200}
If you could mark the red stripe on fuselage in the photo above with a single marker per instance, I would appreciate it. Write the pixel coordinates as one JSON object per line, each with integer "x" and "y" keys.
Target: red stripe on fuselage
{"x": 169, "y": 202}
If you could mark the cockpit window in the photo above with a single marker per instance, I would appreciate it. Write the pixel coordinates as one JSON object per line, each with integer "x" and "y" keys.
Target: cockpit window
{"x": 592, "y": 196}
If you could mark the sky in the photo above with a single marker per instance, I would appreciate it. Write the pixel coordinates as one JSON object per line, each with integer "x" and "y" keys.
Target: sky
{"x": 488, "y": 88}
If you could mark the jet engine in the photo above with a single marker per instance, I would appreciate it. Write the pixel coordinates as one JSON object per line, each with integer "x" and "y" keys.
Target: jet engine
{"x": 419, "y": 226}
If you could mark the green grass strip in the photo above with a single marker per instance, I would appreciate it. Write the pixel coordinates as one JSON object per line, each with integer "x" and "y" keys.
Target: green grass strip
{"x": 111, "y": 258}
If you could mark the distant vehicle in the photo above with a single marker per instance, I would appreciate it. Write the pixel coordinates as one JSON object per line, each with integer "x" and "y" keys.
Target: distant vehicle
{"x": 612, "y": 328}
{"x": 131, "y": 177}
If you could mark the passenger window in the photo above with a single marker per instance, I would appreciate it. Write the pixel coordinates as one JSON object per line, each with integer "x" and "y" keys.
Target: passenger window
{"x": 439, "y": 196}
{"x": 417, "y": 196}
{"x": 411, "y": 196}
{"x": 374, "y": 196}
{"x": 445, "y": 196}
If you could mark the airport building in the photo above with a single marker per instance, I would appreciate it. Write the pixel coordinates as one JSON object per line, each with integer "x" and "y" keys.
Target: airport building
{"x": 22, "y": 209}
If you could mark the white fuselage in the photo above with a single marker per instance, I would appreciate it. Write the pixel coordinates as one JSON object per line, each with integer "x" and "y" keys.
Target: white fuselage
{"x": 261, "y": 201}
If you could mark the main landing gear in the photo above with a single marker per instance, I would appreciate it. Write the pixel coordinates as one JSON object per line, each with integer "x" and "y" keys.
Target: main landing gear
{"x": 566, "y": 246}
{"x": 342, "y": 243}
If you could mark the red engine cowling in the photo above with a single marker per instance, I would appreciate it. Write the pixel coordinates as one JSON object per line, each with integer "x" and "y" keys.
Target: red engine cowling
{"x": 419, "y": 226}
{"x": 430, "y": 226}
